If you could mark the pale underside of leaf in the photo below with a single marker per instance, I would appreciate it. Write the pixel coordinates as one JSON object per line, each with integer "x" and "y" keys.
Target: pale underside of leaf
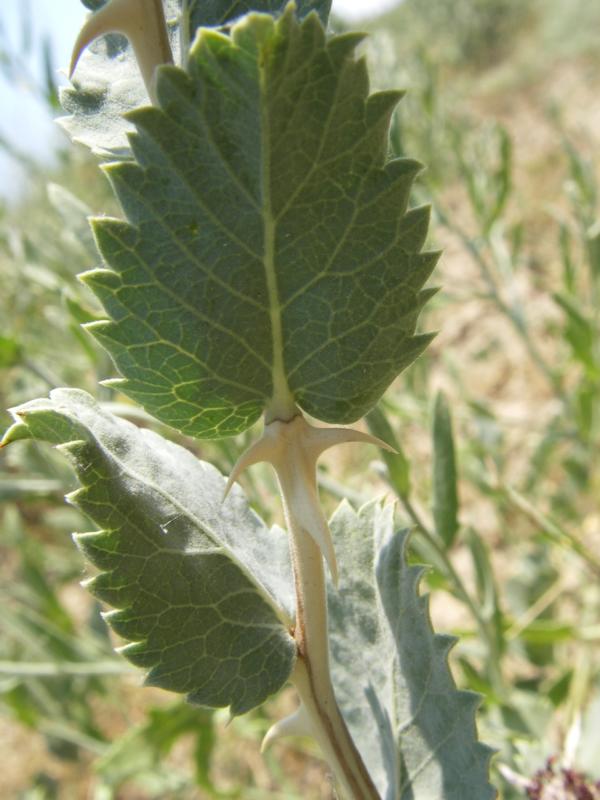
{"x": 267, "y": 259}
{"x": 201, "y": 588}
{"x": 108, "y": 84}
{"x": 205, "y": 13}
{"x": 415, "y": 730}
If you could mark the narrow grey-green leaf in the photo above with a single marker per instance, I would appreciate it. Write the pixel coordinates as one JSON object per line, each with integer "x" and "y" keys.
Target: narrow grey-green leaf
{"x": 445, "y": 492}
{"x": 107, "y": 83}
{"x": 268, "y": 258}
{"x": 487, "y": 592}
{"x": 415, "y": 730}
{"x": 397, "y": 464}
{"x": 201, "y": 587}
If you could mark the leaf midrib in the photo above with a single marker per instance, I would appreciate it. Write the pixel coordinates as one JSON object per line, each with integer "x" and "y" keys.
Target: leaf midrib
{"x": 281, "y": 406}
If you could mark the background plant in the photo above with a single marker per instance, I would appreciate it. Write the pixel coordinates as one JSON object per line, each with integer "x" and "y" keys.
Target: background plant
{"x": 527, "y": 485}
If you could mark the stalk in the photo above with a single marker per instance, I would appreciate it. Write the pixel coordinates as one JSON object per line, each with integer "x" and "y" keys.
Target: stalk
{"x": 293, "y": 448}
{"x": 312, "y": 676}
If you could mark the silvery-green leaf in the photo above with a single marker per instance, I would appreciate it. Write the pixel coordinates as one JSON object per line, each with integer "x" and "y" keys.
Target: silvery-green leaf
{"x": 202, "y": 588}
{"x": 107, "y": 83}
{"x": 267, "y": 257}
{"x": 444, "y": 483}
{"x": 415, "y": 730}
{"x": 219, "y": 12}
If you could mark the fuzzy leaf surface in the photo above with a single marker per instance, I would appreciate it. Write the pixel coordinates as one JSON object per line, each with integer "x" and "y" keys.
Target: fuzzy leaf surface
{"x": 220, "y": 12}
{"x": 444, "y": 483}
{"x": 201, "y": 587}
{"x": 107, "y": 82}
{"x": 267, "y": 257}
{"x": 415, "y": 730}
{"x": 106, "y": 85}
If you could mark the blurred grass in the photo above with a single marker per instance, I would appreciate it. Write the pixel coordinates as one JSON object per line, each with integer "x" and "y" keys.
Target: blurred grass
{"x": 498, "y": 473}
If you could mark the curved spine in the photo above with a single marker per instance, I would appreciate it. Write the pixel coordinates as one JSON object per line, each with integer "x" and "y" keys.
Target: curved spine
{"x": 143, "y": 23}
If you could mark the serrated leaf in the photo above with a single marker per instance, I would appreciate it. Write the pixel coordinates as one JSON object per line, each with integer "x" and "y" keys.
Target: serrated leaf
{"x": 415, "y": 731}
{"x": 445, "y": 492}
{"x": 107, "y": 83}
{"x": 201, "y": 587}
{"x": 267, "y": 258}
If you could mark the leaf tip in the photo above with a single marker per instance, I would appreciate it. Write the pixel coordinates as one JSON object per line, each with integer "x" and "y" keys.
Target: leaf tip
{"x": 19, "y": 430}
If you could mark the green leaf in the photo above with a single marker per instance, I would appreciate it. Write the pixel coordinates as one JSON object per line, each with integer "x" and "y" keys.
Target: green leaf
{"x": 548, "y": 631}
{"x": 141, "y": 750}
{"x": 445, "y": 493}
{"x": 10, "y": 352}
{"x": 502, "y": 177}
{"x": 398, "y": 466}
{"x": 202, "y": 587}
{"x": 415, "y": 730}
{"x": 26, "y": 489}
{"x": 569, "y": 271}
{"x": 267, "y": 258}
{"x": 218, "y": 12}
{"x": 487, "y": 591}
{"x": 580, "y": 333}
{"x": 593, "y": 249}
{"x": 107, "y": 83}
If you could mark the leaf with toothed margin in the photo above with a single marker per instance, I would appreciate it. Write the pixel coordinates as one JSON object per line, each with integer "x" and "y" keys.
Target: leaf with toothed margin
{"x": 415, "y": 731}
{"x": 201, "y": 588}
{"x": 267, "y": 258}
{"x": 107, "y": 83}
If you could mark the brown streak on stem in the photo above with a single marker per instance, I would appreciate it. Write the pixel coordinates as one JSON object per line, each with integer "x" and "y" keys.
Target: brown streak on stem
{"x": 293, "y": 448}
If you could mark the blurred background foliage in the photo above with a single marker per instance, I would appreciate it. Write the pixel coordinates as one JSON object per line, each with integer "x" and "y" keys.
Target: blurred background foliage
{"x": 497, "y": 426}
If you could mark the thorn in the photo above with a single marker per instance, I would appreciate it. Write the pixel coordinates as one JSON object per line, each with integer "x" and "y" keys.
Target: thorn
{"x": 297, "y": 724}
{"x": 230, "y": 718}
{"x": 293, "y": 448}
{"x": 260, "y": 451}
{"x": 321, "y": 439}
{"x": 305, "y": 509}
{"x": 572, "y": 741}
{"x": 142, "y": 22}
{"x": 514, "y": 778}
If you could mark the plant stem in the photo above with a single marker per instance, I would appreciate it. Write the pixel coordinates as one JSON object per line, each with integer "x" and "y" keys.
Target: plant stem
{"x": 312, "y": 677}
{"x": 292, "y": 448}
{"x": 518, "y": 324}
{"x": 551, "y": 529}
{"x": 50, "y": 669}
